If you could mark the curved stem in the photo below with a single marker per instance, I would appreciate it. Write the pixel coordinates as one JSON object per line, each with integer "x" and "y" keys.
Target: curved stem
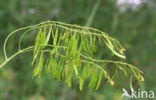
{"x": 19, "y": 46}
{"x": 14, "y": 55}
{"x": 4, "y": 47}
{"x": 62, "y": 25}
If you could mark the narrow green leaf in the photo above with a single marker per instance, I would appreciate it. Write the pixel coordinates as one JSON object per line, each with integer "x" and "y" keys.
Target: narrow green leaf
{"x": 131, "y": 86}
{"x": 47, "y": 66}
{"x": 43, "y": 35}
{"x": 48, "y": 37}
{"x": 99, "y": 80}
{"x": 93, "y": 46}
{"x": 56, "y": 36}
{"x": 39, "y": 66}
{"x": 81, "y": 84}
{"x": 84, "y": 76}
{"x": 93, "y": 77}
{"x": 70, "y": 73}
{"x": 37, "y": 45}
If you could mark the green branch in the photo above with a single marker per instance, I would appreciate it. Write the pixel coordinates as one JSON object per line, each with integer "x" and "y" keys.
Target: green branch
{"x": 66, "y": 45}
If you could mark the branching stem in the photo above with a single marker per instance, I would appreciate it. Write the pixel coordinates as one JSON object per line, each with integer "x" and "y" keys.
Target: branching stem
{"x": 14, "y": 55}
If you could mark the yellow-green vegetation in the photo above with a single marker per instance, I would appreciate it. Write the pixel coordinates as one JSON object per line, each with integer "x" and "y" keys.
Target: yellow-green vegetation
{"x": 67, "y": 52}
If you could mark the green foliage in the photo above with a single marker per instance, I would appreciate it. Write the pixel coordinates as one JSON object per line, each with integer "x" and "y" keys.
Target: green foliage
{"x": 134, "y": 28}
{"x": 67, "y": 52}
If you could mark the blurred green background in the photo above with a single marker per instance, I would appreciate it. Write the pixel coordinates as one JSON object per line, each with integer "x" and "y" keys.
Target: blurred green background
{"x": 134, "y": 25}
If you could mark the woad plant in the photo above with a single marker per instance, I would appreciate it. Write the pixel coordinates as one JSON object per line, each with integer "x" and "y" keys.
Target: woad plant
{"x": 67, "y": 52}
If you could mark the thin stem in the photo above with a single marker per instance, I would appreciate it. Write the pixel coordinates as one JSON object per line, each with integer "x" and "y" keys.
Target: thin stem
{"x": 110, "y": 61}
{"x": 102, "y": 61}
{"x": 14, "y": 55}
{"x": 22, "y": 51}
{"x": 67, "y": 27}
{"x": 19, "y": 47}
{"x": 92, "y": 15}
{"x": 4, "y": 47}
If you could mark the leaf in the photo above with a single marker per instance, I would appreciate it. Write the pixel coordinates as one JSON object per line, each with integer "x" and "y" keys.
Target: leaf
{"x": 93, "y": 46}
{"x": 70, "y": 73}
{"x": 87, "y": 46}
{"x": 81, "y": 84}
{"x": 60, "y": 71}
{"x": 84, "y": 76}
{"x": 56, "y": 36}
{"x": 76, "y": 71}
{"x": 131, "y": 81}
{"x": 48, "y": 37}
{"x": 47, "y": 66}
{"x": 73, "y": 46}
{"x": 37, "y": 45}
{"x": 53, "y": 64}
{"x": 43, "y": 35}
{"x": 39, "y": 66}
{"x": 99, "y": 80}
{"x": 83, "y": 42}
{"x": 93, "y": 77}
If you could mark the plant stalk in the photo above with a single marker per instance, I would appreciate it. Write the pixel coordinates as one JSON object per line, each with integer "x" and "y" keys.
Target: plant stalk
{"x": 14, "y": 55}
